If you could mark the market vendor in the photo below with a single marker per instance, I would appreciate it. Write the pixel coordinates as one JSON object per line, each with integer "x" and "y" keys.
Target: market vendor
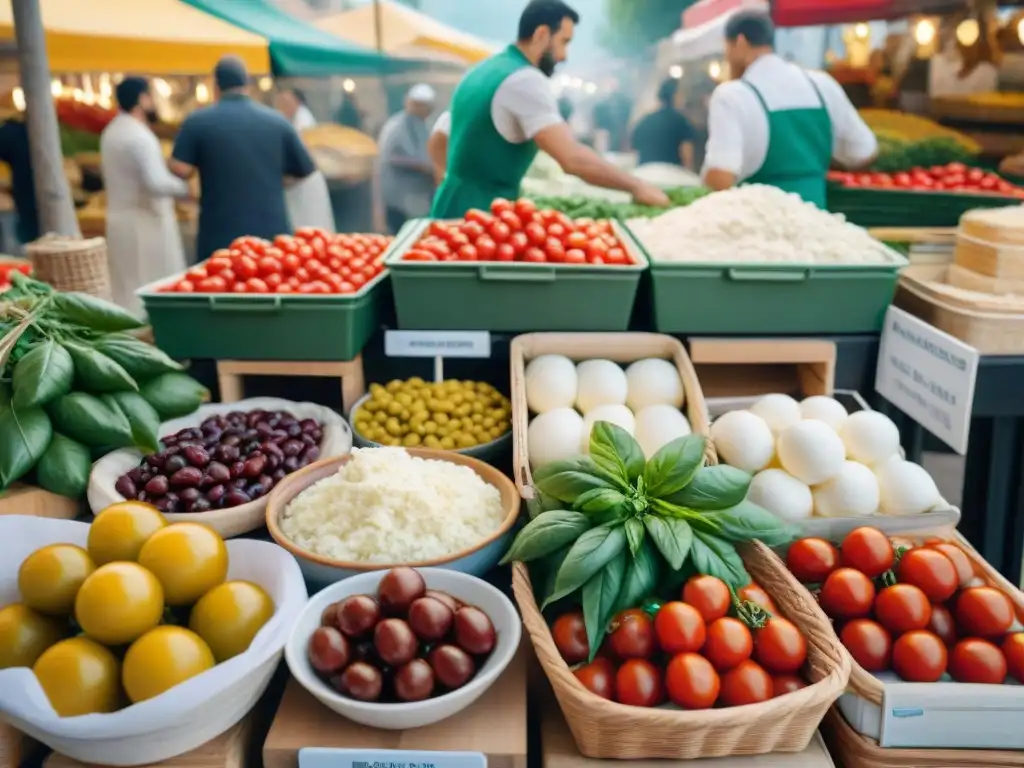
{"x": 406, "y": 170}
{"x": 504, "y": 110}
{"x": 777, "y": 123}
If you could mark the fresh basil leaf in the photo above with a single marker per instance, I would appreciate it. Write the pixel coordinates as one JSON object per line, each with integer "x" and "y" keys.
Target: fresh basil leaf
{"x": 641, "y": 577}
{"x": 95, "y": 314}
{"x": 142, "y": 361}
{"x": 545, "y": 534}
{"x": 24, "y": 435}
{"x": 672, "y": 537}
{"x": 718, "y": 487}
{"x": 598, "y": 500}
{"x": 546, "y": 570}
{"x": 599, "y": 596}
{"x": 43, "y": 374}
{"x": 591, "y": 552}
{"x": 747, "y": 521}
{"x": 714, "y": 556}
{"x": 567, "y": 480}
{"x": 614, "y": 450}
{"x": 634, "y": 534}
{"x": 672, "y": 468}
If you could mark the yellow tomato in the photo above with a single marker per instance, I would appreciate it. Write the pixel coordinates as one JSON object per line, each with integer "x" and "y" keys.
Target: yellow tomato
{"x": 161, "y": 659}
{"x": 119, "y": 603}
{"x": 25, "y": 634}
{"x": 120, "y": 530}
{"x": 229, "y": 616}
{"x": 50, "y": 577}
{"x": 80, "y": 677}
{"x": 190, "y": 559}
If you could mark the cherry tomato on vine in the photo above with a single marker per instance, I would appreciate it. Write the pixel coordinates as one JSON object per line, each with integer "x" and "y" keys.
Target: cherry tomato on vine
{"x": 847, "y": 594}
{"x": 570, "y": 635}
{"x": 1013, "y": 650}
{"x": 931, "y": 571}
{"x": 869, "y": 551}
{"x": 679, "y": 628}
{"x": 783, "y": 684}
{"x": 709, "y": 595}
{"x": 779, "y": 646}
{"x": 977, "y": 661}
{"x": 692, "y": 682}
{"x": 754, "y": 593}
{"x": 747, "y": 683}
{"x": 983, "y": 612}
{"x": 919, "y": 657}
{"x": 943, "y": 624}
{"x": 638, "y": 683}
{"x": 598, "y": 677}
{"x": 869, "y": 643}
{"x": 902, "y": 608}
{"x": 812, "y": 560}
{"x": 631, "y": 635}
{"x": 728, "y": 643}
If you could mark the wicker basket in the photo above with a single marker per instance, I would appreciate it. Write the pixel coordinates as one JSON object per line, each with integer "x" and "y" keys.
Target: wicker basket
{"x": 619, "y": 347}
{"x": 72, "y": 264}
{"x": 605, "y": 729}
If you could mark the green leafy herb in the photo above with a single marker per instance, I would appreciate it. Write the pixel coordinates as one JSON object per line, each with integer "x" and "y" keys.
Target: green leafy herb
{"x": 24, "y": 436}
{"x": 614, "y": 450}
{"x": 673, "y": 467}
{"x": 545, "y": 534}
{"x": 591, "y": 552}
{"x": 599, "y": 596}
{"x": 95, "y": 372}
{"x": 43, "y": 374}
{"x": 95, "y": 314}
{"x": 712, "y": 488}
{"x": 747, "y": 521}
{"x": 567, "y": 480}
{"x": 672, "y": 537}
{"x": 598, "y": 501}
{"x": 550, "y": 566}
{"x": 641, "y": 577}
{"x": 64, "y": 467}
{"x": 717, "y": 557}
{"x": 142, "y": 361}
{"x": 634, "y": 534}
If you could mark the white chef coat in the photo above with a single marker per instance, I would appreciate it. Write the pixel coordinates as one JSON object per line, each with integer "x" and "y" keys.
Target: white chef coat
{"x": 143, "y": 239}
{"x": 309, "y": 199}
{"x": 738, "y": 126}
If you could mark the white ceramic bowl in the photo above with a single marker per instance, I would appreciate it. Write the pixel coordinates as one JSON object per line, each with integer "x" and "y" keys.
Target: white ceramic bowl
{"x": 466, "y": 588}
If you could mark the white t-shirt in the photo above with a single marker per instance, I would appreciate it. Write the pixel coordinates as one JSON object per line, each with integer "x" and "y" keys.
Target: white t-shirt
{"x": 523, "y": 106}
{"x": 738, "y": 126}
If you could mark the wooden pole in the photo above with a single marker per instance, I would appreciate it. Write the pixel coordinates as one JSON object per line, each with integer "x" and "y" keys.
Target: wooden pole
{"x": 378, "y": 26}
{"x": 53, "y": 196}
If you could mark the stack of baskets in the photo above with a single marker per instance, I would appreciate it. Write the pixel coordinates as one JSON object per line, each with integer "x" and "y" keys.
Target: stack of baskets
{"x": 72, "y": 264}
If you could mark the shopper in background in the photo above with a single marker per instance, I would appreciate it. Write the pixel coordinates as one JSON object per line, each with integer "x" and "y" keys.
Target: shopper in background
{"x": 777, "y": 123}
{"x": 308, "y": 199}
{"x": 242, "y": 151}
{"x": 665, "y": 135}
{"x": 143, "y": 238}
{"x": 14, "y": 151}
{"x": 406, "y": 170}
{"x": 437, "y": 145}
{"x": 505, "y": 110}
{"x": 611, "y": 120}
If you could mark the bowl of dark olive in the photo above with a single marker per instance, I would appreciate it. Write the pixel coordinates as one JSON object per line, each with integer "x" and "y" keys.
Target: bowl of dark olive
{"x": 219, "y": 465}
{"x": 403, "y": 648}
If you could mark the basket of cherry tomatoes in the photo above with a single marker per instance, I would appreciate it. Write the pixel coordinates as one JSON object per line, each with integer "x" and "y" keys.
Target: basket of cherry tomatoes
{"x": 925, "y": 610}
{"x": 712, "y": 671}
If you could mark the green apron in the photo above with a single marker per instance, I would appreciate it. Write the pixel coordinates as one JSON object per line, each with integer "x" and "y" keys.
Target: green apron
{"x": 799, "y": 149}
{"x": 482, "y": 165}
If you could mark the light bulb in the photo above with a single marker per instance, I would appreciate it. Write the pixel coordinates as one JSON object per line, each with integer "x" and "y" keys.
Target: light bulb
{"x": 924, "y": 32}
{"x": 18, "y": 97}
{"x": 162, "y": 87}
{"x": 967, "y": 32}
{"x": 266, "y": 84}
{"x": 1020, "y": 30}
{"x": 349, "y": 85}
{"x": 714, "y": 70}
{"x": 861, "y": 31}
{"x": 675, "y": 71}
{"x": 202, "y": 93}
{"x": 56, "y": 88}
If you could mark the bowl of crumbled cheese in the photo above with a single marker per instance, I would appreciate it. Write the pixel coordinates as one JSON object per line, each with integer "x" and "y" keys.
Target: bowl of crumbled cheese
{"x": 378, "y": 508}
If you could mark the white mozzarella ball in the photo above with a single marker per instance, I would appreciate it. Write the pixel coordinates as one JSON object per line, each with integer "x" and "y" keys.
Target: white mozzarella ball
{"x": 870, "y": 437}
{"x": 781, "y": 494}
{"x": 601, "y": 382}
{"x": 659, "y": 425}
{"x": 653, "y": 382}
{"x": 551, "y": 382}
{"x": 811, "y": 451}
{"x": 779, "y": 411}
{"x": 743, "y": 440}
{"x": 826, "y": 409}
{"x": 906, "y": 488}
{"x": 851, "y": 493}
{"x": 619, "y": 415}
{"x": 554, "y": 436}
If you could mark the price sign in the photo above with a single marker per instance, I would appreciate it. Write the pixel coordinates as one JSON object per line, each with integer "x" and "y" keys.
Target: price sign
{"x": 388, "y": 758}
{"x": 929, "y": 375}
{"x": 438, "y": 345}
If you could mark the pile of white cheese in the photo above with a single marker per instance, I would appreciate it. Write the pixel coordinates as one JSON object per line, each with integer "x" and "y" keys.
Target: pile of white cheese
{"x": 568, "y": 398}
{"x": 813, "y": 458}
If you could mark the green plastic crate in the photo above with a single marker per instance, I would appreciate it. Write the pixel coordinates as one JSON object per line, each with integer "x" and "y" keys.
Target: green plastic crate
{"x": 907, "y": 208}
{"x": 288, "y": 327}
{"x": 512, "y": 296}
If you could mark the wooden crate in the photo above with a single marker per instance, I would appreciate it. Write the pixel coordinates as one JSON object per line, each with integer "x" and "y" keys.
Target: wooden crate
{"x": 748, "y": 367}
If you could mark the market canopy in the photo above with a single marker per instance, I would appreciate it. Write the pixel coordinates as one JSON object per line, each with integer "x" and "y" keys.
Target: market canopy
{"x": 297, "y": 48}
{"x": 406, "y": 32}
{"x": 703, "y": 32}
{"x": 804, "y": 13}
{"x": 159, "y": 37}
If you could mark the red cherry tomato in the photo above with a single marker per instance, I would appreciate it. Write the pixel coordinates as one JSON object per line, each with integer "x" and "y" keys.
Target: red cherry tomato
{"x": 519, "y": 241}
{"x": 754, "y": 593}
{"x": 983, "y": 612}
{"x": 185, "y": 286}
{"x": 505, "y": 252}
{"x": 576, "y": 240}
{"x": 631, "y": 635}
{"x": 419, "y": 255}
{"x": 476, "y": 216}
{"x": 709, "y": 595}
{"x": 692, "y": 682}
{"x": 256, "y": 285}
{"x": 486, "y": 248}
{"x": 746, "y": 683}
{"x": 511, "y": 220}
{"x": 499, "y": 231}
{"x": 536, "y": 234}
{"x": 598, "y": 677}
{"x": 575, "y": 256}
{"x": 847, "y": 594}
{"x": 617, "y": 256}
{"x": 472, "y": 230}
{"x": 525, "y": 210}
{"x": 902, "y": 608}
{"x": 943, "y": 624}
{"x": 919, "y": 657}
{"x": 467, "y": 253}
{"x": 555, "y": 250}
{"x": 212, "y": 285}
{"x": 869, "y": 643}
{"x": 1013, "y": 650}
{"x": 783, "y": 684}
{"x": 570, "y": 636}
{"x": 728, "y": 643}
{"x": 779, "y": 646}
{"x": 679, "y": 628}
{"x": 500, "y": 205}
{"x": 638, "y": 684}
{"x": 535, "y": 255}
{"x": 931, "y": 571}
{"x": 869, "y": 551}
{"x": 812, "y": 560}
{"x": 977, "y": 661}
{"x": 960, "y": 561}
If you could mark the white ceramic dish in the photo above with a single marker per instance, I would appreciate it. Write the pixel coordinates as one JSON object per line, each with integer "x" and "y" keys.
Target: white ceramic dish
{"x": 397, "y": 717}
{"x": 336, "y": 441}
{"x": 179, "y": 720}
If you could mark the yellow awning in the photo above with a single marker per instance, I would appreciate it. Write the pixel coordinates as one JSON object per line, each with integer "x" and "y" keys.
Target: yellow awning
{"x": 406, "y": 32}
{"x": 158, "y": 37}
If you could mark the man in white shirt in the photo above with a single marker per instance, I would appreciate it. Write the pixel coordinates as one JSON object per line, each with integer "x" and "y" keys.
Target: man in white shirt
{"x": 437, "y": 145}
{"x": 406, "y": 171}
{"x": 308, "y": 199}
{"x": 777, "y": 123}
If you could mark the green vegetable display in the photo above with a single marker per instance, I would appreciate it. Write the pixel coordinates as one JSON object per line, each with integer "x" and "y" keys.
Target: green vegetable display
{"x": 580, "y": 207}
{"x": 73, "y": 386}
{"x": 629, "y": 525}
{"x": 895, "y": 155}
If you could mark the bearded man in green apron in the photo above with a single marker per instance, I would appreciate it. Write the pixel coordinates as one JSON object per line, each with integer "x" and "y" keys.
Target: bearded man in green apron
{"x": 504, "y": 110}
{"x": 777, "y": 123}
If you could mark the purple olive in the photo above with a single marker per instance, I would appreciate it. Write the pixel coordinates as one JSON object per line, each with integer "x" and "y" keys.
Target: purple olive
{"x": 230, "y": 440}
{"x": 239, "y": 483}
{"x": 216, "y": 493}
{"x": 291, "y": 464}
{"x": 236, "y": 498}
{"x": 143, "y": 496}
{"x": 200, "y": 505}
{"x": 188, "y": 477}
{"x": 238, "y": 469}
{"x": 156, "y": 460}
{"x": 278, "y": 475}
{"x": 293, "y": 429}
{"x": 135, "y": 475}
{"x": 188, "y": 495}
{"x": 167, "y": 504}
{"x": 157, "y": 486}
{"x": 174, "y": 463}
{"x": 170, "y": 441}
{"x": 316, "y": 434}
{"x": 308, "y": 424}
{"x": 254, "y": 466}
{"x": 292, "y": 447}
{"x": 266, "y": 481}
{"x": 308, "y": 440}
{"x": 226, "y": 454}
{"x": 126, "y": 487}
{"x": 255, "y": 490}
{"x": 196, "y": 456}
{"x": 218, "y": 472}
{"x": 312, "y": 454}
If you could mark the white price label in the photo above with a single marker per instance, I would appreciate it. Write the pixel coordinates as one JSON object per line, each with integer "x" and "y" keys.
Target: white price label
{"x": 311, "y": 757}
{"x": 437, "y": 344}
{"x": 929, "y": 375}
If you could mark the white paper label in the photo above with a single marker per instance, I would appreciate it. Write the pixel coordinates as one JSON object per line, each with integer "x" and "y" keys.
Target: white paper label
{"x": 314, "y": 757}
{"x": 437, "y": 343}
{"x": 928, "y": 375}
